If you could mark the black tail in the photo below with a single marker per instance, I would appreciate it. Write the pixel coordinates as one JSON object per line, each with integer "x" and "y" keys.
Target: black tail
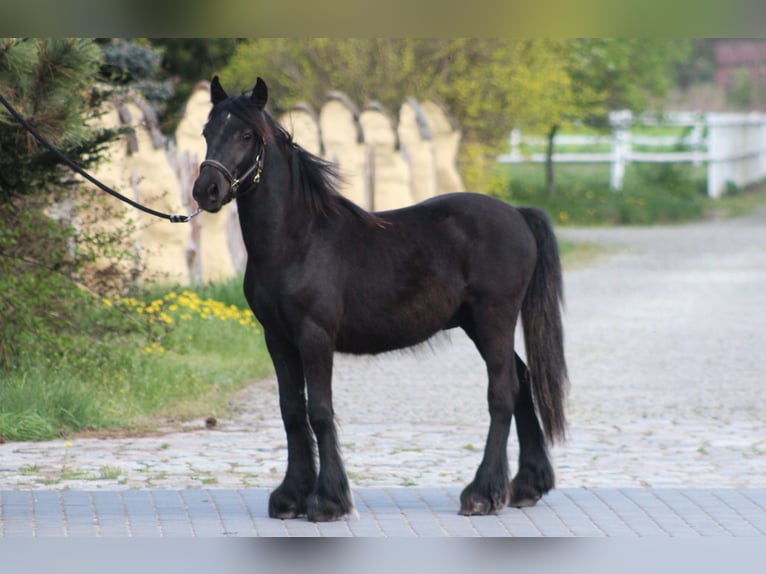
{"x": 543, "y": 332}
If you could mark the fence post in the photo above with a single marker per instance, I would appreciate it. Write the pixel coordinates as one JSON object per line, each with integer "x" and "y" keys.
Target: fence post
{"x": 515, "y": 142}
{"x": 620, "y": 122}
{"x": 697, "y": 139}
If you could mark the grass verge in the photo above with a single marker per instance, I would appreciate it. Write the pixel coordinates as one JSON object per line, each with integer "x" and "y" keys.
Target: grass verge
{"x": 174, "y": 354}
{"x": 652, "y": 194}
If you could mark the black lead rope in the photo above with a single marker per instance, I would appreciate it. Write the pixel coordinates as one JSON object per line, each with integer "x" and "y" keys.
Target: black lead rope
{"x": 74, "y": 167}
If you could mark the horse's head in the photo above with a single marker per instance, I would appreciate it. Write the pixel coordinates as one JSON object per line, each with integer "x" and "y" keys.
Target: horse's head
{"x": 235, "y": 146}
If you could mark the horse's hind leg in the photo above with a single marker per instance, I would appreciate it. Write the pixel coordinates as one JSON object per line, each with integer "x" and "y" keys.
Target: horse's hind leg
{"x": 535, "y": 476}
{"x": 289, "y": 500}
{"x": 490, "y": 490}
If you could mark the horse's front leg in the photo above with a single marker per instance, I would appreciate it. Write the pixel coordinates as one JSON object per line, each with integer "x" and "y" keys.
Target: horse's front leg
{"x": 331, "y": 498}
{"x": 290, "y": 499}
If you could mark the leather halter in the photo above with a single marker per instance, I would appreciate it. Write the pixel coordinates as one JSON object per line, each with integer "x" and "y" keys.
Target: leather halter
{"x": 255, "y": 172}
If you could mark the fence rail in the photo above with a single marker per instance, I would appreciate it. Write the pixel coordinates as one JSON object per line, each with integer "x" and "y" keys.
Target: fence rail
{"x": 733, "y": 146}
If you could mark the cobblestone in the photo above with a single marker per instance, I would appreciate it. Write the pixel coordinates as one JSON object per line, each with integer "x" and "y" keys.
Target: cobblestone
{"x": 664, "y": 337}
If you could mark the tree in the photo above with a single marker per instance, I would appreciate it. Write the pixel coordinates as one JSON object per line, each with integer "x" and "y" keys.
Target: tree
{"x": 51, "y": 83}
{"x": 589, "y": 77}
{"x": 631, "y": 73}
{"x": 183, "y": 64}
{"x": 490, "y": 85}
{"x": 513, "y": 83}
{"x": 306, "y": 69}
{"x": 484, "y": 82}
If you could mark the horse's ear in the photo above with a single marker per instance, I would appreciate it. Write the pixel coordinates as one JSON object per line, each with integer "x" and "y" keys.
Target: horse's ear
{"x": 260, "y": 94}
{"x": 217, "y": 93}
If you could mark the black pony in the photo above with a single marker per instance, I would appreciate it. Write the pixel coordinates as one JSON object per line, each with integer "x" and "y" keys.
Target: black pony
{"x": 324, "y": 275}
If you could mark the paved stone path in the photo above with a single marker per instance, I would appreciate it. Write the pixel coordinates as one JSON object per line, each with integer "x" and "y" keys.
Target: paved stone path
{"x": 665, "y": 342}
{"x": 384, "y": 512}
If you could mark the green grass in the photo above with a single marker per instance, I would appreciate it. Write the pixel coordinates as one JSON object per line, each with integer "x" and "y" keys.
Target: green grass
{"x": 740, "y": 202}
{"x": 228, "y": 292}
{"x": 170, "y": 355}
{"x": 652, "y": 194}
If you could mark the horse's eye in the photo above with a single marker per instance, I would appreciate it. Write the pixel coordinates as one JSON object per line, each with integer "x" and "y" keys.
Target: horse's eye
{"x": 247, "y": 136}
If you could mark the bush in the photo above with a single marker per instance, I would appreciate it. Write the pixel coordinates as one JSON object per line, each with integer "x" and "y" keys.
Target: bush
{"x": 662, "y": 193}
{"x": 126, "y": 361}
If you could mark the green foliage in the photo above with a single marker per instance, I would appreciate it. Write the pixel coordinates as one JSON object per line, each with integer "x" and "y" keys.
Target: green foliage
{"x": 663, "y": 193}
{"x": 128, "y": 361}
{"x": 699, "y": 67}
{"x": 228, "y": 292}
{"x": 136, "y": 64}
{"x": 35, "y": 267}
{"x": 490, "y": 85}
{"x": 51, "y": 83}
{"x": 630, "y": 72}
{"x": 126, "y": 61}
{"x": 741, "y": 90}
{"x": 307, "y": 69}
{"x": 185, "y": 62}
{"x": 70, "y": 358}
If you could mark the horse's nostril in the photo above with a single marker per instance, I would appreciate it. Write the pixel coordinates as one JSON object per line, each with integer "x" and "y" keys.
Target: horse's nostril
{"x": 212, "y": 191}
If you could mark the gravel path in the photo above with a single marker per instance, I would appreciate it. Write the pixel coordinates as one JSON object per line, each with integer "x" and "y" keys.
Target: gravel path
{"x": 666, "y": 346}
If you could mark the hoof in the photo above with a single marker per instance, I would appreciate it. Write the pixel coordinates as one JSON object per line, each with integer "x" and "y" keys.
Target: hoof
{"x": 323, "y": 509}
{"x": 285, "y": 504}
{"x": 476, "y": 501}
{"x": 524, "y": 497}
{"x": 530, "y": 484}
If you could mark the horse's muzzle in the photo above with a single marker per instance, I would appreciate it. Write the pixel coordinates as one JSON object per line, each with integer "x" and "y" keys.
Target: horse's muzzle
{"x": 211, "y": 195}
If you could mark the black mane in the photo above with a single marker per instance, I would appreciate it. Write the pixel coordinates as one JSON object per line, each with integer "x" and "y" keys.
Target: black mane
{"x": 313, "y": 178}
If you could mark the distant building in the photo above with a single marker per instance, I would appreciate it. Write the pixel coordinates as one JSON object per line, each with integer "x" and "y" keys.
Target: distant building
{"x": 733, "y": 56}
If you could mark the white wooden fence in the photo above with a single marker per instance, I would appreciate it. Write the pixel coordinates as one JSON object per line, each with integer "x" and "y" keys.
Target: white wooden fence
{"x": 733, "y": 146}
